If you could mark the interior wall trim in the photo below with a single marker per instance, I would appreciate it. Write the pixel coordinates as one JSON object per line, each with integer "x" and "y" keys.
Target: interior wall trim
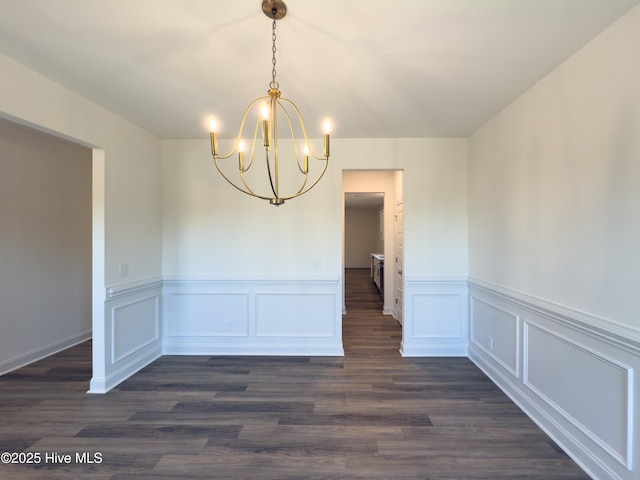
{"x": 619, "y": 369}
{"x": 623, "y": 335}
{"x": 131, "y": 333}
{"x": 435, "y": 318}
{"x": 220, "y": 280}
{"x": 135, "y": 287}
{"x": 574, "y": 378}
{"x": 510, "y": 324}
{"x": 252, "y": 316}
{"x": 436, "y": 280}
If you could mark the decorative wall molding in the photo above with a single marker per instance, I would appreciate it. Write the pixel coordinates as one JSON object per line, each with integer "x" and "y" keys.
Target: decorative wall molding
{"x": 132, "y": 288}
{"x": 228, "y": 280}
{"x": 577, "y": 379}
{"x": 134, "y": 325}
{"x": 495, "y": 330}
{"x": 614, "y": 393}
{"x": 253, "y": 316}
{"x": 132, "y": 333}
{"x": 573, "y": 373}
{"x": 435, "y": 316}
{"x": 625, "y": 336}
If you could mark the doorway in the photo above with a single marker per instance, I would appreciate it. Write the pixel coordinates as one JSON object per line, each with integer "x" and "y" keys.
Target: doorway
{"x": 381, "y": 192}
{"x": 364, "y": 250}
{"x": 47, "y": 243}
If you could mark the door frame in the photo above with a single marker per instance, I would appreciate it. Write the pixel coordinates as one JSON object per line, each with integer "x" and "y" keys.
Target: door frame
{"x": 364, "y": 180}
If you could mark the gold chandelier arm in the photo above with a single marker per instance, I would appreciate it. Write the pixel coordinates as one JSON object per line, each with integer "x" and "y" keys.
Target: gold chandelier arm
{"x": 301, "y": 192}
{"x": 243, "y": 169}
{"x": 253, "y": 149}
{"x": 292, "y": 131}
{"x": 241, "y": 130}
{"x": 274, "y": 189}
{"x": 248, "y": 192}
{"x": 273, "y": 107}
{"x": 303, "y": 128}
{"x": 304, "y": 182}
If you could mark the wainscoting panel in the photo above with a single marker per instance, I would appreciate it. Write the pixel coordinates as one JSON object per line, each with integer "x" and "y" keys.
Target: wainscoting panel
{"x": 600, "y": 384}
{"x": 208, "y": 314}
{"x": 295, "y": 314}
{"x": 578, "y": 378}
{"x": 133, "y": 326}
{"x": 435, "y": 317}
{"x": 132, "y": 333}
{"x": 495, "y": 330}
{"x": 211, "y": 316}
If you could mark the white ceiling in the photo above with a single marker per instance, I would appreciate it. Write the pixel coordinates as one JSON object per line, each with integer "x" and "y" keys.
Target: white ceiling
{"x": 407, "y": 68}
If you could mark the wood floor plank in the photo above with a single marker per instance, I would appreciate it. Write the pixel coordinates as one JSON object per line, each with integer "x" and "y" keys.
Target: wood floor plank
{"x": 371, "y": 414}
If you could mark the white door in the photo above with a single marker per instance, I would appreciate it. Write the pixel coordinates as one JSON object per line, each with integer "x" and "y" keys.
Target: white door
{"x": 398, "y": 266}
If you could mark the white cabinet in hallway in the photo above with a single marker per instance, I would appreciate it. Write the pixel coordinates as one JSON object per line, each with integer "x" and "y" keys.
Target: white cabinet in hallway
{"x": 377, "y": 271}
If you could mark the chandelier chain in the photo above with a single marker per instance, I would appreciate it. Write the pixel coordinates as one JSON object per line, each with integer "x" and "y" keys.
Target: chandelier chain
{"x": 273, "y": 83}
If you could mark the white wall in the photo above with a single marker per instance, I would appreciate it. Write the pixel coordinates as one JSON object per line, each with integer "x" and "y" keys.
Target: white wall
{"x": 554, "y": 203}
{"x": 210, "y": 227}
{"x": 132, "y": 176}
{"x": 362, "y": 230}
{"x": 45, "y": 245}
{"x": 241, "y": 273}
{"x": 213, "y": 232}
{"x": 126, "y": 208}
{"x": 186, "y": 223}
{"x": 555, "y": 179}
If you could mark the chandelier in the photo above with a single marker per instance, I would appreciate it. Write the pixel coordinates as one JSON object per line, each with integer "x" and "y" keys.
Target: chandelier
{"x": 280, "y": 153}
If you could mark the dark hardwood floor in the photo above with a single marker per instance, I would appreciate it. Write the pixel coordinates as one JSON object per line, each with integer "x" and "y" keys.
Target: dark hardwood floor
{"x": 368, "y": 415}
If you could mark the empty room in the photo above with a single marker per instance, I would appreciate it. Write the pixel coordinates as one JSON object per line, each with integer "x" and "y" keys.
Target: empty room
{"x": 319, "y": 240}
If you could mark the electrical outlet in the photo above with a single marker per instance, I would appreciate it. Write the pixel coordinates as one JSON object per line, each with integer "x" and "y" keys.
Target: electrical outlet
{"x": 490, "y": 342}
{"x": 123, "y": 269}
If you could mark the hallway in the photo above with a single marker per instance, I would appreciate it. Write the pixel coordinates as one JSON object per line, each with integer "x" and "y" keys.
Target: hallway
{"x": 365, "y": 330}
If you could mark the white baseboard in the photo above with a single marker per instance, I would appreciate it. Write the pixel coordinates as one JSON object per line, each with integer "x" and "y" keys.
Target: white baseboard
{"x": 105, "y": 384}
{"x": 254, "y": 349}
{"x": 436, "y": 350}
{"x": 42, "y": 352}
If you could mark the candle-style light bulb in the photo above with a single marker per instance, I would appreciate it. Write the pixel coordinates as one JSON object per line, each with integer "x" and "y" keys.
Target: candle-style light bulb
{"x": 265, "y": 125}
{"x": 306, "y": 159}
{"x": 241, "y": 155}
{"x": 213, "y": 133}
{"x": 327, "y": 129}
{"x": 327, "y": 126}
